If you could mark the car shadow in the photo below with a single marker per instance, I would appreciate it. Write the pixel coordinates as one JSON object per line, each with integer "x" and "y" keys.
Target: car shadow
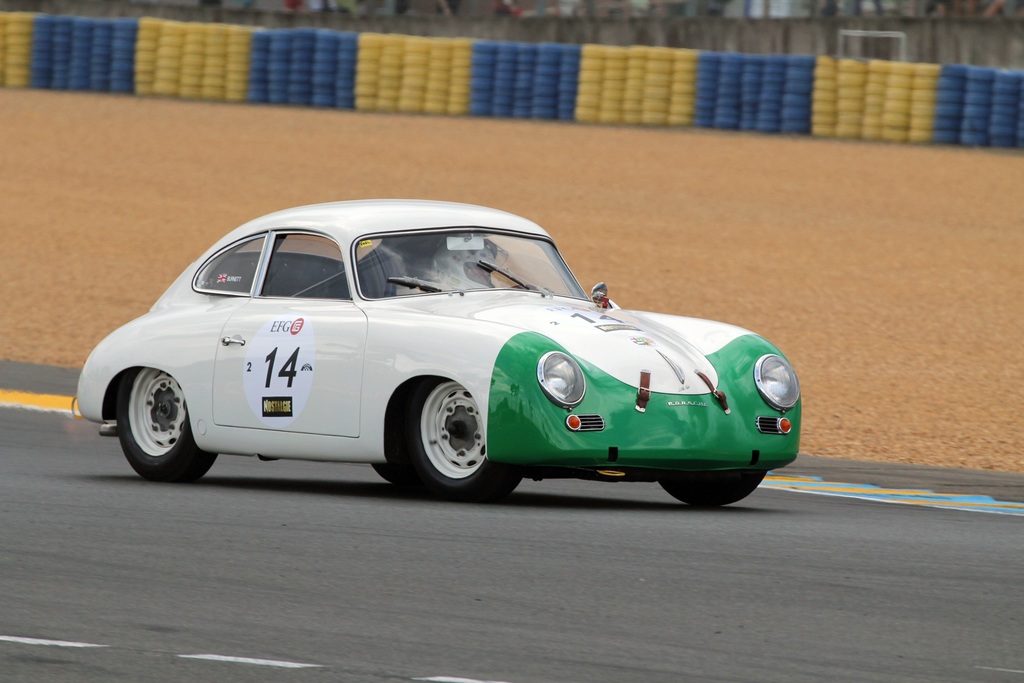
{"x": 390, "y": 492}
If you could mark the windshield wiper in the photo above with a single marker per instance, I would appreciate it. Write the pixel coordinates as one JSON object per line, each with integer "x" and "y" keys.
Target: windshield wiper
{"x": 415, "y": 283}
{"x": 492, "y": 267}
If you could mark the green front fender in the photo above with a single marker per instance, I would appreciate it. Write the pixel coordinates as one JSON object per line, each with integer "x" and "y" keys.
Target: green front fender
{"x": 677, "y": 432}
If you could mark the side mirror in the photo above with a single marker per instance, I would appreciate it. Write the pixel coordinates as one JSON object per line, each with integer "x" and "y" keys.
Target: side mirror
{"x": 599, "y": 295}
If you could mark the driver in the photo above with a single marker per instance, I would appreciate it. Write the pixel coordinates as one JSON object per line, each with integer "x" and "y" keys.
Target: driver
{"x": 455, "y": 267}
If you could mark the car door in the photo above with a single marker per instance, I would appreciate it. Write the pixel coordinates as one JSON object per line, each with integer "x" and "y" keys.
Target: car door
{"x": 291, "y": 359}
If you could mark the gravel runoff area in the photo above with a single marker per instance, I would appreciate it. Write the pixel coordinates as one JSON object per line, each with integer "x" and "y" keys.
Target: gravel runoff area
{"x": 891, "y": 275}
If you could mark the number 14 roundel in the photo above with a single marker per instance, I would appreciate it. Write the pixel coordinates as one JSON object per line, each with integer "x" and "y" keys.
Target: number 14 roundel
{"x": 278, "y": 370}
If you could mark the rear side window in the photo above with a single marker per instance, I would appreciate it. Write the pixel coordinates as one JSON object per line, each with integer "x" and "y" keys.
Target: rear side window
{"x": 305, "y": 267}
{"x": 233, "y": 270}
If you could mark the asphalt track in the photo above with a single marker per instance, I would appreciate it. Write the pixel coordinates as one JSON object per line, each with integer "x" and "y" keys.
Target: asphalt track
{"x": 310, "y": 572}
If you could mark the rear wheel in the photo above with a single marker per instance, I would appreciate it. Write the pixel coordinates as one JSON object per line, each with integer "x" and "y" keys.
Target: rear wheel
{"x": 447, "y": 447}
{"x": 154, "y": 430}
{"x": 713, "y": 490}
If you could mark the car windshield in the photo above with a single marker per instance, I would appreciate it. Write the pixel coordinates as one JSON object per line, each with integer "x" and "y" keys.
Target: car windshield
{"x": 460, "y": 260}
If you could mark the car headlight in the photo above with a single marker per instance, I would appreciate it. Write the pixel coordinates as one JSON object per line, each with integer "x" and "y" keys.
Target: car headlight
{"x": 777, "y": 382}
{"x": 561, "y": 379}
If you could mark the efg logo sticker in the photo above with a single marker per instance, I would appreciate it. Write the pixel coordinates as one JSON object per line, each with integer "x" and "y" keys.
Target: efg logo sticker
{"x": 277, "y": 406}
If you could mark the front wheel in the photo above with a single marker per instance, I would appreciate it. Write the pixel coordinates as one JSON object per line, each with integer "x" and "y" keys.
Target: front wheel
{"x": 154, "y": 430}
{"x": 713, "y": 489}
{"x": 447, "y": 447}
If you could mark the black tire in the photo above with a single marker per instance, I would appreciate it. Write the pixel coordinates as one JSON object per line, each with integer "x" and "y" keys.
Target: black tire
{"x": 713, "y": 489}
{"x": 154, "y": 429}
{"x": 446, "y": 446}
{"x": 399, "y": 475}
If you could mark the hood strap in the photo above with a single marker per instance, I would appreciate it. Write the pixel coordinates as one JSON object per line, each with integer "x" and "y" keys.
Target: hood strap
{"x": 643, "y": 395}
{"x": 719, "y": 395}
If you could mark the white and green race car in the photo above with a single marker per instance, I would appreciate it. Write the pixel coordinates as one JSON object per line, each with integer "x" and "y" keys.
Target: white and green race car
{"x": 449, "y": 346}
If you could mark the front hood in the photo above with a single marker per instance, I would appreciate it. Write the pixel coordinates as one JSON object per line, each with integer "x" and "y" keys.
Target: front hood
{"x": 619, "y": 342}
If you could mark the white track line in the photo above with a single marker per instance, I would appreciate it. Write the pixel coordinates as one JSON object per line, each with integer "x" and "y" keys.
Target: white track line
{"x": 453, "y": 679}
{"x": 51, "y": 643}
{"x": 256, "y": 662}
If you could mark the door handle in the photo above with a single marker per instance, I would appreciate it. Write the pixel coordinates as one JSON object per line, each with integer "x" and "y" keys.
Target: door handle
{"x": 228, "y": 341}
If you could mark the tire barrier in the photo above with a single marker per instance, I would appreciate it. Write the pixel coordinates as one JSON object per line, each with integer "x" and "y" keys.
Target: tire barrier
{"x": 769, "y": 105}
{"x": 825, "y": 97}
{"x": 18, "y": 29}
{"x": 1005, "y": 120}
{"x": 637, "y": 85}
{"x": 922, "y": 102}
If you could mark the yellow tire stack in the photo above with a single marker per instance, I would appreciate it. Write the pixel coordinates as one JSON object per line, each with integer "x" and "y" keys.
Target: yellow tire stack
{"x": 657, "y": 86}
{"x": 412, "y": 90}
{"x": 825, "y": 98}
{"x": 591, "y": 80}
{"x": 146, "y": 43}
{"x": 389, "y": 78}
{"x": 193, "y": 55}
{"x": 215, "y": 63}
{"x": 167, "y": 78}
{"x": 236, "y": 70}
{"x": 896, "y": 109}
{"x": 371, "y": 46}
{"x": 874, "y": 99}
{"x": 683, "y": 93}
{"x": 922, "y": 102}
{"x": 851, "y": 81}
{"x": 18, "y": 49}
{"x": 3, "y": 45}
{"x": 461, "y": 77}
{"x": 613, "y": 84}
{"x": 438, "y": 76}
{"x": 633, "y": 92}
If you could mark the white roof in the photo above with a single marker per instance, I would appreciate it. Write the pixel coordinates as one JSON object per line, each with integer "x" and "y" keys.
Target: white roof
{"x": 345, "y": 221}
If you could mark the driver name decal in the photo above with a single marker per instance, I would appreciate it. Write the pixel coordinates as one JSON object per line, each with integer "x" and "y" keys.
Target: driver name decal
{"x": 279, "y": 369}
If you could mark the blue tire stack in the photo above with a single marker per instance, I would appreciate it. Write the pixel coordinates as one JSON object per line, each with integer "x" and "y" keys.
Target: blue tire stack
{"x": 41, "y": 67}
{"x": 1005, "y": 119}
{"x": 62, "y": 27}
{"x": 949, "y": 104}
{"x": 708, "y": 67}
{"x": 977, "y": 106}
{"x": 730, "y": 80}
{"x": 325, "y": 68}
{"x": 345, "y": 80}
{"x": 750, "y": 91}
{"x": 259, "y": 67}
{"x": 279, "y": 66}
{"x": 300, "y": 66}
{"x": 769, "y": 106}
{"x": 505, "y": 79}
{"x": 481, "y": 88}
{"x": 796, "y": 95}
{"x": 101, "y": 58}
{"x": 1020, "y": 124}
{"x": 568, "y": 81}
{"x": 522, "y": 91}
{"x": 546, "y": 73}
{"x": 81, "y": 53}
{"x": 122, "y": 55}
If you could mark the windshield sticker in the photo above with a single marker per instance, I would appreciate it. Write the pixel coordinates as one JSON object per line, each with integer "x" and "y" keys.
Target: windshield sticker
{"x": 278, "y": 370}
{"x": 643, "y": 341}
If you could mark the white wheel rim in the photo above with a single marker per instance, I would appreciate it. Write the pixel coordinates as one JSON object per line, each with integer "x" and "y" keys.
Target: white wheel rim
{"x": 156, "y": 412}
{"x": 452, "y": 432}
